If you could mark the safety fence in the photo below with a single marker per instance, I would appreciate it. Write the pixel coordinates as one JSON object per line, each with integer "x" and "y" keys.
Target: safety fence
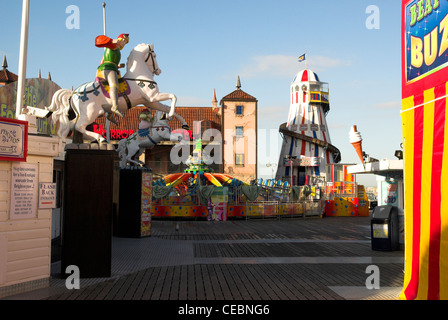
{"x": 235, "y": 204}
{"x": 281, "y": 210}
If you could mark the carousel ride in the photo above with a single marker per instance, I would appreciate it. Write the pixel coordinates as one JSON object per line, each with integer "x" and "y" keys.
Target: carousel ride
{"x": 196, "y": 192}
{"x": 199, "y": 173}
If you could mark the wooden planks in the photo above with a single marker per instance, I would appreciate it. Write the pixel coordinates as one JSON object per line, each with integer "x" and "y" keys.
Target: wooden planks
{"x": 215, "y": 279}
{"x": 27, "y": 242}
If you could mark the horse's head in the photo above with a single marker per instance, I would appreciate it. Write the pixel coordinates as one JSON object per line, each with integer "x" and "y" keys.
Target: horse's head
{"x": 146, "y": 115}
{"x": 162, "y": 128}
{"x": 145, "y": 53}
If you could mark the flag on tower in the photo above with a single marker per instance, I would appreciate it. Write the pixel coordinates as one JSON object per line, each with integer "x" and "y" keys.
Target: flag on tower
{"x": 302, "y": 57}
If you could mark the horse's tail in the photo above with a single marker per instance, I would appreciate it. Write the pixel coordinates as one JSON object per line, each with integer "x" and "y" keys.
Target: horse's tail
{"x": 60, "y": 106}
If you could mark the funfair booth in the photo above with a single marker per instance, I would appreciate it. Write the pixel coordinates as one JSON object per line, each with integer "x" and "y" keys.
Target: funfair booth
{"x": 344, "y": 196}
{"x": 424, "y": 48}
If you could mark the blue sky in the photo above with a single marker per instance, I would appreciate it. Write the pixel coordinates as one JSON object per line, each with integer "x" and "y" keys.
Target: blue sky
{"x": 205, "y": 45}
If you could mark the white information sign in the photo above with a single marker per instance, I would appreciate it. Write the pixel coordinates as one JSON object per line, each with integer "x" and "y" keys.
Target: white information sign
{"x": 13, "y": 140}
{"x": 47, "y": 195}
{"x": 23, "y": 190}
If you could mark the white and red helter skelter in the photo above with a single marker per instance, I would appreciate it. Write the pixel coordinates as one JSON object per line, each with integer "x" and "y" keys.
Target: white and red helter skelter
{"x": 306, "y": 150}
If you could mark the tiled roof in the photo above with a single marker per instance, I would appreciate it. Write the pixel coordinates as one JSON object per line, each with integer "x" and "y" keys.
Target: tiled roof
{"x": 131, "y": 119}
{"x": 7, "y": 76}
{"x": 239, "y": 95}
{"x": 191, "y": 114}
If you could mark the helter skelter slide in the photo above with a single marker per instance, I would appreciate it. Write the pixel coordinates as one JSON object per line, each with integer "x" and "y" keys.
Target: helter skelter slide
{"x": 306, "y": 148}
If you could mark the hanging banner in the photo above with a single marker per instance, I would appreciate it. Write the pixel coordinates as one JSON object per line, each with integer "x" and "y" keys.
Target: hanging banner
{"x": 426, "y": 38}
{"x": 424, "y": 46}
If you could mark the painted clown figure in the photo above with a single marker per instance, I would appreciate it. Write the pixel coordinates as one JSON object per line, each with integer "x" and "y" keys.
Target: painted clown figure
{"x": 111, "y": 62}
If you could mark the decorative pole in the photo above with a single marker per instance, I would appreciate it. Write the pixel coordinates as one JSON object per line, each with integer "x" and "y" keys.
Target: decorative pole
{"x": 306, "y": 61}
{"x": 104, "y": 18}
{"x": 290, "y": 166}
{"x": 104, "y": 32}
{"x": 23, "y": 56}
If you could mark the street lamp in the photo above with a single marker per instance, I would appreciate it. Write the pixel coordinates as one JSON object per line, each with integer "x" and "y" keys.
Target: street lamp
{"x": 104, "y": 32}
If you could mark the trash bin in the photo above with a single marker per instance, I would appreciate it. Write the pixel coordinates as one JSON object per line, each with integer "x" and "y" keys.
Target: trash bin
{"x": 384, "y": 228}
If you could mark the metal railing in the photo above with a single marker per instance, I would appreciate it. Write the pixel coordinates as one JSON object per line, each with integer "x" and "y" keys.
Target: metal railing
{"x": 277, "y": 201}
{"x": 284, "y": 210}
{"x": 261, "y": 209}
{"x": 273, "y": 201}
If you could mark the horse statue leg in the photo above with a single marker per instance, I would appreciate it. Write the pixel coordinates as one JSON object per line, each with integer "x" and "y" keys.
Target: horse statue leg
{"x": 136, "y": 157}
{"x": 84, "y": 119}
{"x": 160, "y": 96}
{"x": 156, "y": 105}
{"x": 92, "y": 136}
{"x": 127, "y": 151}
{"x": 130, "y": 149}
{"x": 122, "y": 151}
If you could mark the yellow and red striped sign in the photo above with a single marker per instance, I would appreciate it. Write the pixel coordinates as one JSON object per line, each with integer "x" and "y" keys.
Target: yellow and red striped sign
{"x": 425, "y": 131}
{"x": 426, "y": 201}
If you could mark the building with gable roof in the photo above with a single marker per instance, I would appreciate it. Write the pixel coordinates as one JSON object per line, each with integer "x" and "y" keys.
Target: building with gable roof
{"x": 6, "y": 76}
{"x": 239, "y": 128}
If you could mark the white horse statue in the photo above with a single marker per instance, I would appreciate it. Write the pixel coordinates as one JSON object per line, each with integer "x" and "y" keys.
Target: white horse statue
{"x": 75, "y": 110}
{"x": 150, "y": 132}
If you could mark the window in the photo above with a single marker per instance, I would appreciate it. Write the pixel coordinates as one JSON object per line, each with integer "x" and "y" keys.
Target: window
{"x": 239, "y": 159}
{"x": 205, "y": 125}
{"x": 239, "y": 110}
{"x": 239, "y": 132}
